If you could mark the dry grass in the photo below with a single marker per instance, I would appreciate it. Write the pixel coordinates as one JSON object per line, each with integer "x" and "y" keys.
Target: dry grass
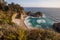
{"x": 10, "y": 31}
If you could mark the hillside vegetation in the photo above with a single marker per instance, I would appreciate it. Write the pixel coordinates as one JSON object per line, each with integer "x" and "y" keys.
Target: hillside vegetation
{"x": 10, "y": 31}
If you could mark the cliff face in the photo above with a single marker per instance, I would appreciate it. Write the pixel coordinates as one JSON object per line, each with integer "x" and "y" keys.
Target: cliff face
{"x": 10, "y": 14}
{"x": 7, "y": 11}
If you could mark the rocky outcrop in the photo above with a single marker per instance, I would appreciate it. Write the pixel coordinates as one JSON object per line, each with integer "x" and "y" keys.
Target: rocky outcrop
{"x": 37, "y": 14}
{"x": 56, "y": 27}
{"x": 16, "y": 21}
{"x": 23, "y": 26}
{"x": 19, "y": 22}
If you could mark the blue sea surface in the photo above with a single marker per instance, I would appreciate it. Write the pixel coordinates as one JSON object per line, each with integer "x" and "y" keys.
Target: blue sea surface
{"x": 52, "y": 13}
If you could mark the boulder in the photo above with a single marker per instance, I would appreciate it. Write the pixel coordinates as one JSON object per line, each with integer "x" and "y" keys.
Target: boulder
{"x": 56, "y": 27}
{"x": 37, "y": 14}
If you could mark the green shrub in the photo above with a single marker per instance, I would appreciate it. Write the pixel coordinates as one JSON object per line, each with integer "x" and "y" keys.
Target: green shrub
{"x": 41, "y": 34}
{"x": 4, "y": 19}
{"x": 23, "y": 35}
{"x": 8, "y": 32}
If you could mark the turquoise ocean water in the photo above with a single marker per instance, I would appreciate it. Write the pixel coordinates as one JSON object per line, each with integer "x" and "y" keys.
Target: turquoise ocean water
{"x": 52, "y": 15}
